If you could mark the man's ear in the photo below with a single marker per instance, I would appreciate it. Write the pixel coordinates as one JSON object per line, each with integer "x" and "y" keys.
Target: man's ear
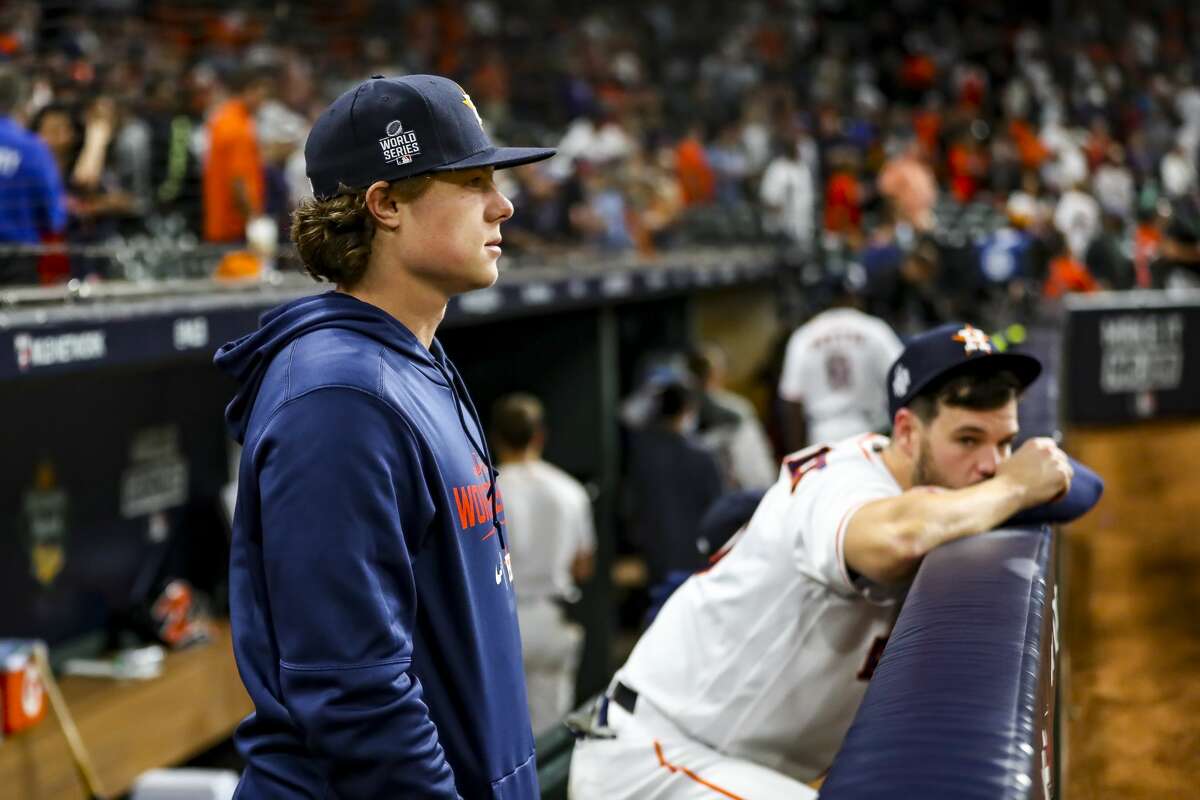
{"x": 383, "y": 206}
{"x": 906, "y": 431}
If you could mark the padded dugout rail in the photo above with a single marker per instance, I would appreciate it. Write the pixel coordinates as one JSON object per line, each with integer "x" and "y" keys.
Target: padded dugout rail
{"x": 962, "y": 703}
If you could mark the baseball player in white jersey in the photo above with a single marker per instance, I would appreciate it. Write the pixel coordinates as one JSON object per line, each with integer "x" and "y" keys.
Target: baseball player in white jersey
{"x": 747, "y": 681}
{"x": 551, "y": 537}
{"x": 833, "y": 372}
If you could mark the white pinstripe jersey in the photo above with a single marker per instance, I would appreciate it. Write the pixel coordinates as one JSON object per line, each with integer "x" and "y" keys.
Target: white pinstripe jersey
{"x": 764, "y": 656}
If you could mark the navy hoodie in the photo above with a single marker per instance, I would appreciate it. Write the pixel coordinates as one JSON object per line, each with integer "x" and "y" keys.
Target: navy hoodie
{"x": 371, "y": 601}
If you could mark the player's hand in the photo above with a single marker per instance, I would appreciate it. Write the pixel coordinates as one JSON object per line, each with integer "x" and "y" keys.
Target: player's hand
{"x": 1041, "y": 468}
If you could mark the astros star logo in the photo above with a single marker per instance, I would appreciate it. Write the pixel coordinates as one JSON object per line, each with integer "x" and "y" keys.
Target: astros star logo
{"x": 974, "y": 340}
{"x": 466, "y": 101}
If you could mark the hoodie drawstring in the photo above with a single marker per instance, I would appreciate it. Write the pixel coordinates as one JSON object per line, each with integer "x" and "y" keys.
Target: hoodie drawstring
{"x": 462, "y": 397}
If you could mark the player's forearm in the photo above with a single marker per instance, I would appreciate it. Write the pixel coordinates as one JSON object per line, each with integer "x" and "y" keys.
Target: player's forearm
{"x": 886, "y": 540}
{"x": 940, "y": 516}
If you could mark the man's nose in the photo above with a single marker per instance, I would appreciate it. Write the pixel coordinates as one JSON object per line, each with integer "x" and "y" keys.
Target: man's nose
{"x": 989, "y": 461}
{"x": 501, "y": 208}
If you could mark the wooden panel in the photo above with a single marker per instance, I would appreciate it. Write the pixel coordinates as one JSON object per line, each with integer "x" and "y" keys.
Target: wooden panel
{"x": 1131, "y": 629}
{"x": 130, "y": 727}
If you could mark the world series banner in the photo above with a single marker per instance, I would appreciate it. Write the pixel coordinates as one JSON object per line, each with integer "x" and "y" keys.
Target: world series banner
{"x": 1131, "y": 357}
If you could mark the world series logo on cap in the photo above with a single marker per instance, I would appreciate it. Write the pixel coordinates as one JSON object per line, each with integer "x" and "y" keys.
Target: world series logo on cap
{"x": 901, "y": 381}
{"x": 974, "y": 340}
{"x": 398, "y": 145}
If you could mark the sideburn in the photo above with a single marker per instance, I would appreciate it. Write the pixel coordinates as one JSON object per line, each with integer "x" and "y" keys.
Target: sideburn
{"x": 924, "y": 472}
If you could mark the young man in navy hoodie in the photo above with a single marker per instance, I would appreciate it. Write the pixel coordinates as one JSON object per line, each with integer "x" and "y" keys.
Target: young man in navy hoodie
{"x": 371, "y": 598}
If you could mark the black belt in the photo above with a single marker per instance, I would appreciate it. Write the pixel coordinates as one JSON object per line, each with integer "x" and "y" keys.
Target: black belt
{"x": 623, "y": 696}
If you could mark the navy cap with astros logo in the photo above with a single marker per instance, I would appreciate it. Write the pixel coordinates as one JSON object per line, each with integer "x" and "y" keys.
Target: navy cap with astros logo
{"x": 946, "y": 351}
{"x": 386, "y": 129}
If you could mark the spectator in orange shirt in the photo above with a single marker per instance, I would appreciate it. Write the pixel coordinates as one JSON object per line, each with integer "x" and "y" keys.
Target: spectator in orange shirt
{"x": 1066, "y": 273}
{"x": 843, "y": 193}
{"x": 1030, "y": 147}
{"x": 927, "y": 125}
{"x": 966, "y": 166}
{"x": 233, "y": 171}
{"x": 696, "y": 177}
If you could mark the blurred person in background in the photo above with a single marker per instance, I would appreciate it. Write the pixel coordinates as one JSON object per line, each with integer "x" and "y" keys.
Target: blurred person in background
{"x": 543, "y": 223}
{"x": 730, "y": 165}
{"x": 1113, "y": 185}
{"x": 966, "y": 166}
{"x": 1178, "y": 265}
{"x": 833, "y": 368}
{"x": 601, "y": 216}
{"x": 923, "y": 291}
{"x": 234, "y": 188}
{"x": 175, "y": 170}
{"x": 1066, "y": 273}
{"x": 697, "y": 180}
{"x": 552, "y": 538}
{"x": 1108, "y": 256}
{"x": 1147, "y": 242}
{"x": 32, "y": 200}
{"x": 1006, "y": 255}
{"x": 844, "y": 195}
{"x": 671, "y": 481}
{"x": 908, "y": 184}
{"x": 788, "y": 192}
{"x": 728, "y": 423}
{"x": 281, "y": 133}
{"x": 1177, "y": 171}
{"x": 1077, "y": 218}
{"x": 96, "y": 202}
{"x": 655, "y": 200}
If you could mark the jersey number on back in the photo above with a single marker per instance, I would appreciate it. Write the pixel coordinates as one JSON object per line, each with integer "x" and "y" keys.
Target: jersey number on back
{"x": 837, "y": 371}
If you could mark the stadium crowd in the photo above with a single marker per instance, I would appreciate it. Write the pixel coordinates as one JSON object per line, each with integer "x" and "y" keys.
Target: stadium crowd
{"x": 904, "y": 148}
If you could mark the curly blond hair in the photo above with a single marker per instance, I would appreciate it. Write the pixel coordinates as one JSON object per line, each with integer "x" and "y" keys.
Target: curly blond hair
{"x": 333, "y": 236}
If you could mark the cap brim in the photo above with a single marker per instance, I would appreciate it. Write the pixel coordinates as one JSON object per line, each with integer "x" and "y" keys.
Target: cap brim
{"x": 1026, "y": 368}
{"x": 500, "y": 158}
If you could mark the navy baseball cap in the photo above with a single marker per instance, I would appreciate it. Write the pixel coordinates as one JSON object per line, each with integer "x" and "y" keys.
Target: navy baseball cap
{"x": 945, "y": 350}
{"x": 386, "y": 129}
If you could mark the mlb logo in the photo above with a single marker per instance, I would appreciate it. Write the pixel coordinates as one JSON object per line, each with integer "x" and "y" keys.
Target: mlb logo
{"x": 21, "y": 689}
{"x": 23, "y": 345}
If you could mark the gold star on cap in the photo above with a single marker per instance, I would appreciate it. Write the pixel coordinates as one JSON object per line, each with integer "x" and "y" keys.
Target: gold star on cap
{"x": 466, "y": 101}
{"x": 974, "y": 340}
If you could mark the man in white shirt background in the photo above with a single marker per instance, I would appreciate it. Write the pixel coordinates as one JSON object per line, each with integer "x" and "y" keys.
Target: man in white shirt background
{"x": 551, "y": 536}
{"x": 832, "y": 378}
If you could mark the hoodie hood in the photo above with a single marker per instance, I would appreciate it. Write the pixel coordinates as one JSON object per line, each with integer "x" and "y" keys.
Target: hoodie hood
{"x": 246, "y": 359}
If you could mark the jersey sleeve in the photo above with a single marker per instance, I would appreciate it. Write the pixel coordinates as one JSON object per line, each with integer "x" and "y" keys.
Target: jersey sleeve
{"x": 344, "y": 507}
{"x": 824, "y": 499}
